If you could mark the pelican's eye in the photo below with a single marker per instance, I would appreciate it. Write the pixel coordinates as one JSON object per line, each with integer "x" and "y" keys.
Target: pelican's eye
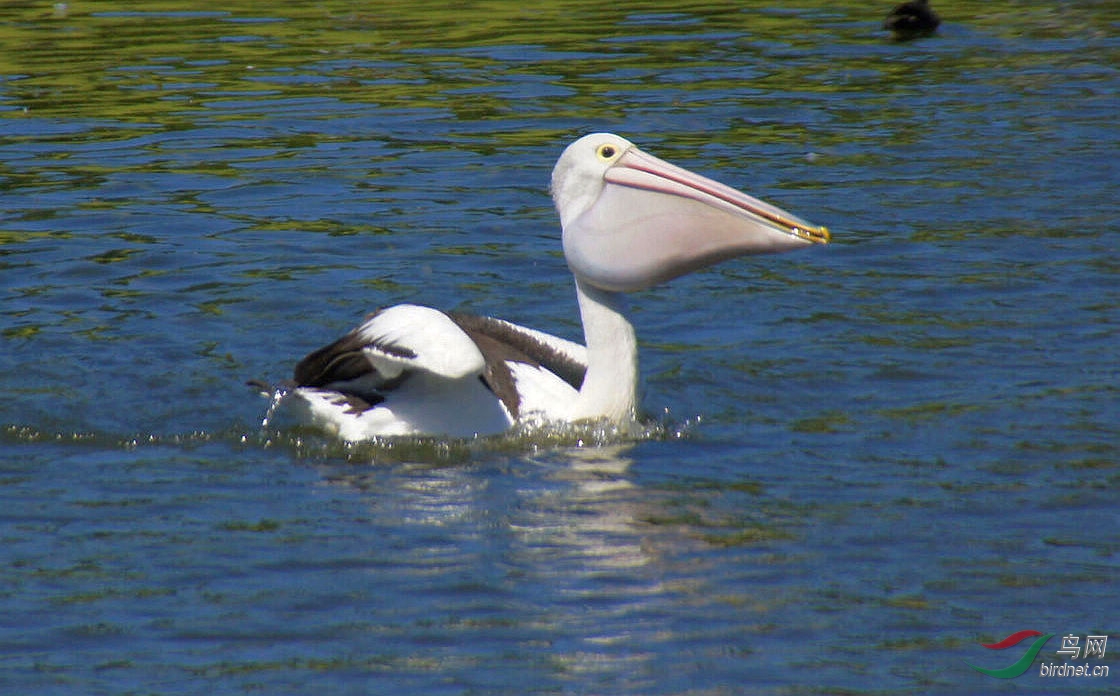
{"x": 606, "y": 152}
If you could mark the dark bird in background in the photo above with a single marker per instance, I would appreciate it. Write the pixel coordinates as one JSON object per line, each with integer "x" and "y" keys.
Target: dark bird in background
{"x": 911, "y": 20}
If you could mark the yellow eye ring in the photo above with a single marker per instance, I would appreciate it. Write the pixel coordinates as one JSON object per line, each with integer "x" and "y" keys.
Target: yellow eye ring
{"x": 606, "y": 152}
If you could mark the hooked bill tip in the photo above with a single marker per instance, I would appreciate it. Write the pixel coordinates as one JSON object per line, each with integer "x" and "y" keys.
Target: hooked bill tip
{"x": 816, "y": 235}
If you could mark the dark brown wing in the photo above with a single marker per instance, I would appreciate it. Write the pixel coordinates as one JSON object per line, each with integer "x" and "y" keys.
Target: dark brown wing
{"x": 343, "y": 367}
{"x": 340, "y": 361}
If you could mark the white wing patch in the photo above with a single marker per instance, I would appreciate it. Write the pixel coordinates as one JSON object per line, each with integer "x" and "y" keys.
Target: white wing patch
{"x": 411, "y": 337}
{"x": 543, "y": 395}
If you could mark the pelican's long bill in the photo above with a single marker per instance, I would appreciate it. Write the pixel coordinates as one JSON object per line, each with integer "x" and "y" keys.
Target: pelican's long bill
{"x": 632, "y": 220}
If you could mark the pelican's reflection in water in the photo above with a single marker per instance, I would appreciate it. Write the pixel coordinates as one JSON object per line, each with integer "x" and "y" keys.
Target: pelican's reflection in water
{"x": 561, "y": 561}
{"x": 583, "y": 537}
{"x": 584, "y": 519}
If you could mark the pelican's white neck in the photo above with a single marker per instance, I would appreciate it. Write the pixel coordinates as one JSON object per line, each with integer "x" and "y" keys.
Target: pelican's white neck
{"x": 610, "y": 386}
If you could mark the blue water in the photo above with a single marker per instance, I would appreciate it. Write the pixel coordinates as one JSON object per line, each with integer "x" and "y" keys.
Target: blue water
{"x": 863, "y": 460}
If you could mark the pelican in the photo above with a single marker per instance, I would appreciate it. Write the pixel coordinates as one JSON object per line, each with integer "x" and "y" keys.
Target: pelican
{"x": 629, "y": 221}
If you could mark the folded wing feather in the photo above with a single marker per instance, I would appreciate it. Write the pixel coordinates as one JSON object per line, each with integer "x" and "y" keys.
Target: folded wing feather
{"x": 368, "y": 363}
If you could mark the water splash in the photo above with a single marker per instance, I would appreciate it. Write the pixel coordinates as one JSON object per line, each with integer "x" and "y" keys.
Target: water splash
{"x": 309, "y": 443}
{"x": 275, "y": 398}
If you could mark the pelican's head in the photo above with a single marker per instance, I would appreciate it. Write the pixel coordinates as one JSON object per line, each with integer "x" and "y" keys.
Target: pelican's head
{"x": 631, "y": 220}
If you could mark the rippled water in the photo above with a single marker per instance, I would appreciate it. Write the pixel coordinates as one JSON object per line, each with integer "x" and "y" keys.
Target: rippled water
{"x": 864, "y": 460}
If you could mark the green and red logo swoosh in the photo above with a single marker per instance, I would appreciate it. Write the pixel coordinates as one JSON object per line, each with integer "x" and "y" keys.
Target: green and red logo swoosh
{"x": 1023, "y": 663}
